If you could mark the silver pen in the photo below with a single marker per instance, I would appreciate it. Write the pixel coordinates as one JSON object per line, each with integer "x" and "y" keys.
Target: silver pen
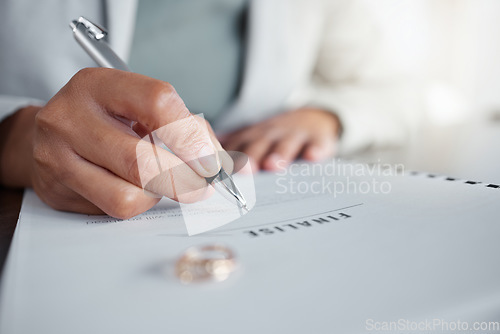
{"x": 92, "y": 38}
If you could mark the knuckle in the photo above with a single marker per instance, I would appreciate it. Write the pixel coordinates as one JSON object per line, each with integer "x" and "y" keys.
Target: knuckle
{"x": 80, "y": 77}
{"x": 124, "y": 205}
{"x": 85, "y": 74}
{"x": 162, "y": 93}
{"x": 55, "y": 117}
{"x": 165, "y": 103}
{"x": 43, "y": 119}
{"x": 80, "y": 84}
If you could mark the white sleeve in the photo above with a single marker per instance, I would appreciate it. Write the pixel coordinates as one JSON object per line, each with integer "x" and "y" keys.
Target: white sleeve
{"x": 376, "y": 106}
{"x": 10, "y": 104}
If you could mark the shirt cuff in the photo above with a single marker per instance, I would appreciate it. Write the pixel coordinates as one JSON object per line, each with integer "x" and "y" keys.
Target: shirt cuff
{"x": 10, "y": 104}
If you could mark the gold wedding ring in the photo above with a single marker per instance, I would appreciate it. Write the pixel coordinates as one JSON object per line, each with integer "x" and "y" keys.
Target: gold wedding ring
{"x": 210, "y": 262}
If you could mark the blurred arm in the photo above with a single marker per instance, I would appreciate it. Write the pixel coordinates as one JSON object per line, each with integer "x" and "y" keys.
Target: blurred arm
{"x": 375, "y": 104}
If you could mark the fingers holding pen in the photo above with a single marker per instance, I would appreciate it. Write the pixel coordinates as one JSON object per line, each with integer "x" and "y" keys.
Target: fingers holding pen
{"x": 157, "y": 107}
{"x": 81, "y": 121}
{"x": 75, "y": 184}
{"x": 140, "y": 162}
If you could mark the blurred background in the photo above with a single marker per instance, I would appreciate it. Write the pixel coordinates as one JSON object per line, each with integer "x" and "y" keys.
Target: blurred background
{"x": 453, "y": 47}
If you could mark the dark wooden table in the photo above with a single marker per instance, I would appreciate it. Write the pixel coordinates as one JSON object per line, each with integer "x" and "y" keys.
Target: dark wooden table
{"x": 10, "y": 203}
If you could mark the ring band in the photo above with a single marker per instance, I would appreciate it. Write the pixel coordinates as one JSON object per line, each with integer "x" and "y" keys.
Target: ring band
{"x": 210, "y": 262}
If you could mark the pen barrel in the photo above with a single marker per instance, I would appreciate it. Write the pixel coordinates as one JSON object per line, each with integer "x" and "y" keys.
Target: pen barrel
{"x": 98, "y": 50}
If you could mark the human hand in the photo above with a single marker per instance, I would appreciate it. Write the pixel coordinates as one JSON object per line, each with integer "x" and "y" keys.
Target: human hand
{"x": 81, "y": 158}
{"x": 274, "y": 143}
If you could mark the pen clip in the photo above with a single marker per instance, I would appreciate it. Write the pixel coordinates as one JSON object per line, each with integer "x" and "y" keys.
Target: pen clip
{"x": 93, "y": 40}
{"x": 96, "y": 31}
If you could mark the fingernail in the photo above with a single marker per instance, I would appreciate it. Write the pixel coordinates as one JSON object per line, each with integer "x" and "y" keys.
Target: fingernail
{"x": 208, "y": 160}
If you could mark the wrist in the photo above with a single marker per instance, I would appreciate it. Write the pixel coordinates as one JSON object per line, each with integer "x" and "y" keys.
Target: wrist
{"x": 16, "y": 147}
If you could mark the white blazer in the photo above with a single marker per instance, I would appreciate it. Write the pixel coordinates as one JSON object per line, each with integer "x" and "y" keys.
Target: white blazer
{"x": 319, "y": 53}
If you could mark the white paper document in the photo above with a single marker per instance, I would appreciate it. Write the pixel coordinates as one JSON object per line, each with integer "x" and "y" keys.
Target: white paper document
{"x": 321, "y": 252}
